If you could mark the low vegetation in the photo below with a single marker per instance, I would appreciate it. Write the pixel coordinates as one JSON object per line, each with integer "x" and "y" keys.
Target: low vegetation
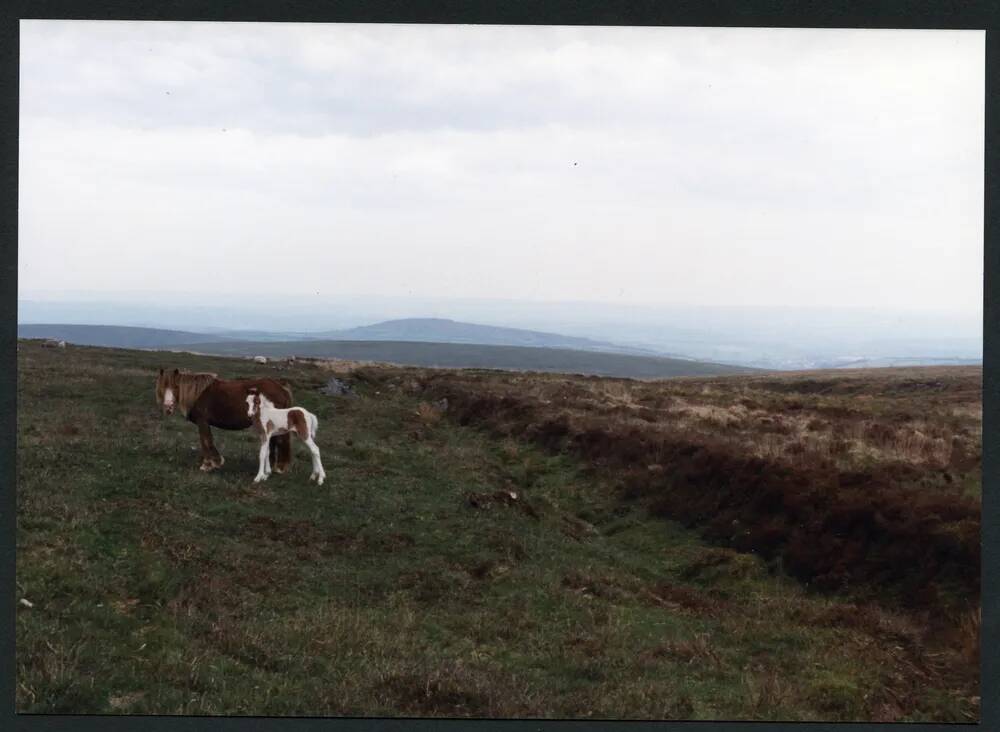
{"x": 487, "y": 545}
{"x": 852, "y": 480}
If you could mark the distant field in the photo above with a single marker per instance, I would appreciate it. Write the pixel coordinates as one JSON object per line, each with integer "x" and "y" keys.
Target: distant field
{"x": 546, "y": 546}
{"x": 463, "y": 355}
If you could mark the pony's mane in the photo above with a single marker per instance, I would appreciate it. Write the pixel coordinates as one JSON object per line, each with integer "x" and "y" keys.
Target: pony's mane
{"x": 190, "y": 386}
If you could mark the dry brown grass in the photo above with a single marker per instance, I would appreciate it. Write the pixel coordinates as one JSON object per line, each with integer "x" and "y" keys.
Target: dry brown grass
{"x": 338, "y": 365}
{"x": 765, "y": 690}
{"x": 428, "y": 413}
{"x": 852, "y": 418}
{"x": 694, "y": 650}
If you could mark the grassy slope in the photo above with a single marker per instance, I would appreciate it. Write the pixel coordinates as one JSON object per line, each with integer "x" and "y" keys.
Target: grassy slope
{"x": 159, "y": 589}
{"x": 466, "y": 355}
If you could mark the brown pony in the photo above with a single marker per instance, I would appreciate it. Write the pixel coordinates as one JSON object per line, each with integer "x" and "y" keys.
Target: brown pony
{"x": 209, "y": 401}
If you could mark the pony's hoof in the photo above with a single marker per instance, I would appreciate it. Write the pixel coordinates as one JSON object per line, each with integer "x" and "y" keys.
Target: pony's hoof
{"x": 205, "y": 467}
{"x": 320, "y": 479}
{"x": 222, "y": 461}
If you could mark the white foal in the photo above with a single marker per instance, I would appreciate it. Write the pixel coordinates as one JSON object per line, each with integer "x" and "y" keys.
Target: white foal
{"x": 268, "y": 420}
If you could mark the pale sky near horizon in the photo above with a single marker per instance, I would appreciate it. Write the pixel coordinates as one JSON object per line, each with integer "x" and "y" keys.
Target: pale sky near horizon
{"x": 624, "y": 165}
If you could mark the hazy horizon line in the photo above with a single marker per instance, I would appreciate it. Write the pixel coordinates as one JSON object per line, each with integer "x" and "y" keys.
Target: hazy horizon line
{"x": 264, "y": 300}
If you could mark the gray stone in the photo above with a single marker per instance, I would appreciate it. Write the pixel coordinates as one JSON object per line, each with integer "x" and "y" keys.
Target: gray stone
{"x": 336, "y": 387}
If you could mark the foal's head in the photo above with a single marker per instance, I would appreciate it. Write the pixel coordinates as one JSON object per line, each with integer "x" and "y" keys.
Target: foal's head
{"x": 253, "y": 402}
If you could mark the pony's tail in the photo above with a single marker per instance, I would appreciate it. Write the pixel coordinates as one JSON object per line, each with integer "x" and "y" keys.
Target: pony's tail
{"x": 314, "y": 427}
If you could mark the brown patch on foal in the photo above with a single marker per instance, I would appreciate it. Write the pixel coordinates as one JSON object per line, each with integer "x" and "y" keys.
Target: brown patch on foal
{"x": 297, "y": 423}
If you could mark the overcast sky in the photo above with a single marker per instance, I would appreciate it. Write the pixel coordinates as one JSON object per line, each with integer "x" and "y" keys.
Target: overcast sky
{"x": 623, "y": 165}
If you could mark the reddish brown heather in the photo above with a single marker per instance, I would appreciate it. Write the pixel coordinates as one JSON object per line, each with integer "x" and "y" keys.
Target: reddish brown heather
{"x": 853, "y": 479}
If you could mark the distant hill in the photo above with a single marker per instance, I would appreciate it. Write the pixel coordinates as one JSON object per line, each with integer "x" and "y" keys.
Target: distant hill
{"x": 113, "y": 336}
{"x": 443, "y": 330}
{"x": 461, "y": 355}
{"x": 427, "y": 330}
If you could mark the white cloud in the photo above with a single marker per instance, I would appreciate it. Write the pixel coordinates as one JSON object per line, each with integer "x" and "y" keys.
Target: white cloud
{"x": 630, "y": 165}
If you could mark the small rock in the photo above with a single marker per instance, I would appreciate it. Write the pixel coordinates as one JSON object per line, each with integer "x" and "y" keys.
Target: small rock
{"x": 336, "y": 387}
{"x": 26, "y": 602}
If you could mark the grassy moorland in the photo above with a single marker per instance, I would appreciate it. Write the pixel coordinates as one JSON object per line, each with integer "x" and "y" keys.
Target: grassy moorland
{"x": 510, "y": 556}
{"x": 853, "y": 480}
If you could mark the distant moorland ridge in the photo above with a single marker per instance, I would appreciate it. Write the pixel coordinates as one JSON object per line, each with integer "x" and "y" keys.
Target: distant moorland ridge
{"x": 546, "y": 352}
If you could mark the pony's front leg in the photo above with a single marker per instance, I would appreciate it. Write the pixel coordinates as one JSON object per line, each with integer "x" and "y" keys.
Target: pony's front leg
{"x": 263, "y": 468}
{"x": 210, "y": 457}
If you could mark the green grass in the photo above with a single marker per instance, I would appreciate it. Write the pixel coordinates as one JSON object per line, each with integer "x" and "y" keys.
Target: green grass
{"x": 403, "y": 586}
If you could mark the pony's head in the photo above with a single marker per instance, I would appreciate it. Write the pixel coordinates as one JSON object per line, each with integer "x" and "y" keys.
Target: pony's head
{"x": 166, "y": 390}
{"x": 179, "y": 390}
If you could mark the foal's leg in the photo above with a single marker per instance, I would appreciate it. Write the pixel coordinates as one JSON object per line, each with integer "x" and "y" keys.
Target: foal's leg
{"x": 210, "y": 457}
{"x": 318, "y": 473}
{"x": 267, "y": 463}
{"x": 304, "y": 439}
{"x": 262, "y": 466}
